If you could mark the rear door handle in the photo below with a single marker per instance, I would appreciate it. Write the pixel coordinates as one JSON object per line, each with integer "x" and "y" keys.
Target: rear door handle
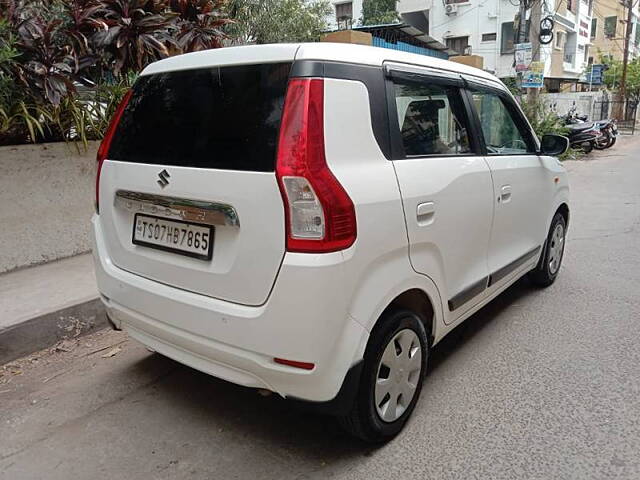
{"x": 425, "y": 213}
{"x": 505, "y": 193}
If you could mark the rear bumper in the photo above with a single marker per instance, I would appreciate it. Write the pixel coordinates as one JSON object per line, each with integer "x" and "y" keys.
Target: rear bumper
{"x": 305, "y": 319}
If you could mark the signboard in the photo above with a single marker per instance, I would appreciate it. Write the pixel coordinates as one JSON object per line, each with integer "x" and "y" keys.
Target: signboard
{"x": 595, "y": 75}
{"x": 523, "y": 56}
{"x": 584, "y": 28}
{"x": 534, "y": 77}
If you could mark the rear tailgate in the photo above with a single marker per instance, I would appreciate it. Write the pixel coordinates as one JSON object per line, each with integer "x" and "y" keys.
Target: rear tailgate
{"x": 197, "y": 147}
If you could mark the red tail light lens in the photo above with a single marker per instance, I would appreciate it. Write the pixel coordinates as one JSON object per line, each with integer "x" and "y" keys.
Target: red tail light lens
{"x": 320, "y": 215}
{"x": 103, "y": 149}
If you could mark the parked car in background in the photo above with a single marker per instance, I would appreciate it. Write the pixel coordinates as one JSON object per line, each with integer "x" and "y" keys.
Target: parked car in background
{"x": 312, "y": 219}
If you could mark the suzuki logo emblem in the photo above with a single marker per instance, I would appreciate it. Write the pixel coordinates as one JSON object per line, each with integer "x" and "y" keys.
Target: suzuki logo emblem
{"x": 164, "y": 178}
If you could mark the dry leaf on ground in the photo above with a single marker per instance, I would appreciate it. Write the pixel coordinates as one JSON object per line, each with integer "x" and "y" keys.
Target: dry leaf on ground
{"x": 112, "y": 352}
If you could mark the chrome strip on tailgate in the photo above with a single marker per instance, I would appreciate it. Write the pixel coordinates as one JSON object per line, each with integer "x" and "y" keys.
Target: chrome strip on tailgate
{"x": 210, "y": 213}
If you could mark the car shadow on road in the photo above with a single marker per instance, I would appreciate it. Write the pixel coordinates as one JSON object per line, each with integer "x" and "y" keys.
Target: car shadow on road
{"x": 242, "y": 415}
{"x": 460, "y": 335}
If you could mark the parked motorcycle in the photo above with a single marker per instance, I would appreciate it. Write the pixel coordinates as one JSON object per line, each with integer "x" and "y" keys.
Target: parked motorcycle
{"x": 584, "y": 136}
{"x": 609, "y": 129}
{"x": 589, "y": 135}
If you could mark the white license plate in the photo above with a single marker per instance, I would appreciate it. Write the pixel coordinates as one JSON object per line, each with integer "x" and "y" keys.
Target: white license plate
{"x": 176, "y": 236}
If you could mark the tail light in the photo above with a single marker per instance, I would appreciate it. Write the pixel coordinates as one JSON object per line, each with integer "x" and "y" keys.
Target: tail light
{"x": 103, "y": 149}
{"x": 320, "y": 215}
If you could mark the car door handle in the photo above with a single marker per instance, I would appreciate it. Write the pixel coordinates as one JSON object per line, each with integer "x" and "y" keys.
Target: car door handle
{"x": 505, "y": 193}
{"x": 425, "y": 213}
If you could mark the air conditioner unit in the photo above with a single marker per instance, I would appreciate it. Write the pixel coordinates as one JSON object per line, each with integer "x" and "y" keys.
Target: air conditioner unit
{"x": 451, "y": 9}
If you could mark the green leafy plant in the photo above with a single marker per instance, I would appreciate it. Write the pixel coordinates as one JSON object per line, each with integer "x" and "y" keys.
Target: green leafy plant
{"x": 101, "y": 103}
{"x": 512, "y": 84}
{"x": 65, "y": 64}
{"x": 138, "y": 32}
{"x": 47, "y": 67}
{"x": 80, "y": 22}
{"x": 274, "y": 21}
{"x": 200, "y": 25}
{"x": 379, "y": 12}
{"x": 545, "y": 121}
{"x": 20, "y": 121}
{"x": 613, "y": 76}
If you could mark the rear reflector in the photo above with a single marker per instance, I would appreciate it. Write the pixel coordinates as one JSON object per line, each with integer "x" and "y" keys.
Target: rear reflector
{"x": 294, "y": 363}
{"x": 103, "y": 150}
{"x": 320, "y": 215}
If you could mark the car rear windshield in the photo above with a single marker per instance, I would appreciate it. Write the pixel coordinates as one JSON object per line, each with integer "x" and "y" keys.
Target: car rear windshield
{"x": 222, "y": 117}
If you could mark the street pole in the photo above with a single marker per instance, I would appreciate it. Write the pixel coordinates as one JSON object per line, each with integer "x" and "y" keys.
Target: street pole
{"x": 625, "y": 58}
{"x": 522, "y": 25}
{"x": 534, "y": 38}
{"x": 522, "y": 21}
{"x": 618, "y": 110}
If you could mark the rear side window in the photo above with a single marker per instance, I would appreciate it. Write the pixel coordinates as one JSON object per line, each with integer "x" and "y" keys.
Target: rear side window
{"x": 222, "y": 117}
{"x": 431, "y": 118}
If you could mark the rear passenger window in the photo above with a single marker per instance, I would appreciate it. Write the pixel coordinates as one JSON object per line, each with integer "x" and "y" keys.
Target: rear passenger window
{"x": 432, "y": 119}
{"x": 504, "y": 133}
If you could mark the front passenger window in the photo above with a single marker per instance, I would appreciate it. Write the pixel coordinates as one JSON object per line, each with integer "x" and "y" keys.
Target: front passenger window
{"x": 432, "y": 119}
{"x": 502, "y": 133}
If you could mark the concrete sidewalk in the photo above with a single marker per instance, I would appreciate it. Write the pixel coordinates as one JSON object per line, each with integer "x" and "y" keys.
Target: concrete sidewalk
{"x": 44, "y": 304}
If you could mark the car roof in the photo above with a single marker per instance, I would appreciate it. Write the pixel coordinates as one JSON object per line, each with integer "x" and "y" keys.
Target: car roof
{"x": 321, "y": 51}
{"x": 368, "y": 55}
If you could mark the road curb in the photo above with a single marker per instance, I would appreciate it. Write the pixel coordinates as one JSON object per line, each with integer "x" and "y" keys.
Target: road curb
{"x": 45, "y": 330}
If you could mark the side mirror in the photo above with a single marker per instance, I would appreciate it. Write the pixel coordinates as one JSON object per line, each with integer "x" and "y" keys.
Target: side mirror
{"x": 554, "y": 145}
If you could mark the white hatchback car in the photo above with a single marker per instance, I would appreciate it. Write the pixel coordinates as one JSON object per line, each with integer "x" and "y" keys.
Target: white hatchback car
{"x": 312, "y": 219}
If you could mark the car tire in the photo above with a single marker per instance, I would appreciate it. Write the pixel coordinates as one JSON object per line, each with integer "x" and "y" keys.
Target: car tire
{"x": 548, "y": 267}
{"x": 390, "y": 362}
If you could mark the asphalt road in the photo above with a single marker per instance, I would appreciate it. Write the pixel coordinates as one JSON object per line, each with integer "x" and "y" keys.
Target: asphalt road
{"x": 541, "y": 384}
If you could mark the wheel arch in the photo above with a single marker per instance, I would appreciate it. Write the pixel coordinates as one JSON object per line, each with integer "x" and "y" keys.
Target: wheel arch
{"x": 417, "y": 301}
{"x": 563, "y": 209}
{"x": 559, "y": 204}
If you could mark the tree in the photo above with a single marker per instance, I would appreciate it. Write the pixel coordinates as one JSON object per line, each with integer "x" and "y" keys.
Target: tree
{"x": 612, "y": 77}
{"x": 378, "y": 12}
{"x": 275, "y": 21}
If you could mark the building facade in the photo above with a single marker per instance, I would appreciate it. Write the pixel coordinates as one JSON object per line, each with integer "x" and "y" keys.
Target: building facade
{"x": 607, "y": 32}
{"x": 566, "y": 57}
{"x": 584, "y": 31}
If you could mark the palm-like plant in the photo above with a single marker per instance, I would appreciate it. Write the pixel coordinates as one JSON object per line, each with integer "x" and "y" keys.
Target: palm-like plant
{"x": 200, "y": 24}
{"x": 46, "y": 66}
{"x": 82, "y": 21}
{"x": 49, "y": 47}
{"x": 138, "y": 32}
